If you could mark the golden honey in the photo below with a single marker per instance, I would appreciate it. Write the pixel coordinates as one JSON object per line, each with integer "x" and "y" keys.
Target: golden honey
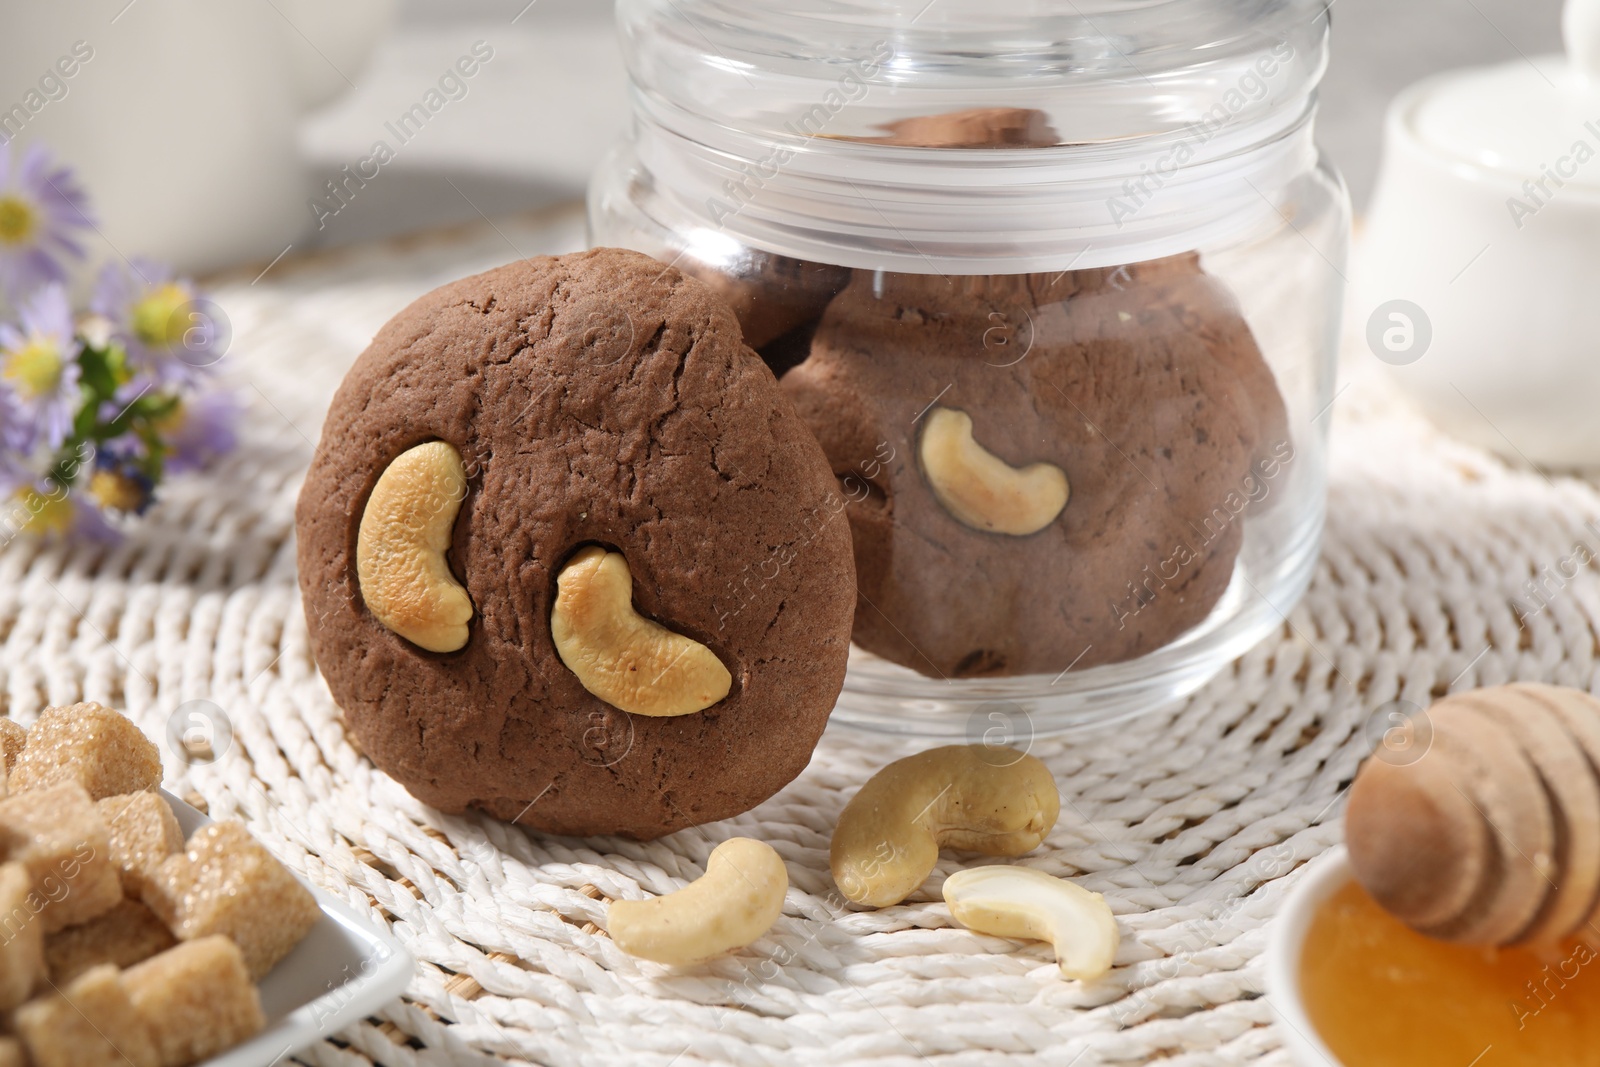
{"x": 1379, "y": 993}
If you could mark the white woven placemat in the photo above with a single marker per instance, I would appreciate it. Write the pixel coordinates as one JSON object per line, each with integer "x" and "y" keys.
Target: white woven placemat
{"x": 1190, "y": 822}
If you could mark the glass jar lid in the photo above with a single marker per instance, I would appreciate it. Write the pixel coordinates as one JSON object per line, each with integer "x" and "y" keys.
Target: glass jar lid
{"x": 1097, "y": 70}
{"x": 970, "y": 135}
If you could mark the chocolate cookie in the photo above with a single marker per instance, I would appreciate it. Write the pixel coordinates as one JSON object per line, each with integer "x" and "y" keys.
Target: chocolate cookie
{"x": 1208, "y": 311}
{"x": 1043, "y": 470}
{"x": 977, "y": 127}
{"x": 521, "y": 451}
{"x": 771, "y": 295}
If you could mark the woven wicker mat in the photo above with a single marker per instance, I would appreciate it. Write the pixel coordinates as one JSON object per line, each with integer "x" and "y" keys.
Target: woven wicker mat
{"x": 1192, "y": 823}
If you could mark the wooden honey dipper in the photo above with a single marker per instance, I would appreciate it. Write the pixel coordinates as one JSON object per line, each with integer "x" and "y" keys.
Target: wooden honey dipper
{"x": 1491, "y": 836}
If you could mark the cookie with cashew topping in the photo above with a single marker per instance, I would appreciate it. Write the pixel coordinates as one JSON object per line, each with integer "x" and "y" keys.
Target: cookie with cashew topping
{"x": 734, "y": 903}
{"x": 975, "y": 798}
{"x": 1035, "y": 462}
{"x": 569, "y": 556}
{"x": 1022, "y": 902}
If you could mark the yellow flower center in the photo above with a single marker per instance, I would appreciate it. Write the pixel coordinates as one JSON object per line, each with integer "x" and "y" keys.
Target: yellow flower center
{"x": 156, "y": 320}
{"x": 18, "y": 221}
{"x": 35, "y": 367}
{"x": 116, "y": 491}
{"x": 172, "y": 420}
{"x": 45, "y": 513}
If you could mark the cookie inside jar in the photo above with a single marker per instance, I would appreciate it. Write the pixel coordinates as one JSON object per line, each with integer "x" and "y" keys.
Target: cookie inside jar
{"x": 1041, "y": 471}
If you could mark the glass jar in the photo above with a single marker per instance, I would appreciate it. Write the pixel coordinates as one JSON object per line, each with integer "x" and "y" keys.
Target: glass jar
{"x": 1057, "y": 292}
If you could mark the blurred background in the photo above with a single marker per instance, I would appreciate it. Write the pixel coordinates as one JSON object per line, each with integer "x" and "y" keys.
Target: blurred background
{"x": 542, "y": 120}
{"x": 535, "y": 122}
{"x": 522, "y": 132}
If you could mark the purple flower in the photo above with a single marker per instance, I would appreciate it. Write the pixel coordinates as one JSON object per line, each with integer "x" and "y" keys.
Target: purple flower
{"x": 41, "y": 208}
{"x": 40, "y": 506}
{"x": 129, "y": 448}
{"x": 121, "y": 487}
{"x": 89, "y": 523}
{"x": 39, "y": 368}
{"x": 15, "y": 431}
{"x": 171, "y": 332}
{"x": 199, "y": 430}
{"x": 124, "y": 397}
{"x": 13, "y": 476}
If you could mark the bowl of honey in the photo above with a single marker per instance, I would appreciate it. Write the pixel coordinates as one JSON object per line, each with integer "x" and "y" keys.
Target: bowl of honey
{"x": 1352, "y": 986}
{"x": 1459, "y": 924}
{"x": 1324, "y": 877}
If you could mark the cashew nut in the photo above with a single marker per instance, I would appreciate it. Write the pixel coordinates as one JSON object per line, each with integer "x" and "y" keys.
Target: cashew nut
{"x": 1022, "y": 902}
{"x": 992, "y": 800}
{"x": 400, "y": 550}
{"x": 981, "y": 490}
{"x": 735, "y": 902}
{"x": 625, "y": 659}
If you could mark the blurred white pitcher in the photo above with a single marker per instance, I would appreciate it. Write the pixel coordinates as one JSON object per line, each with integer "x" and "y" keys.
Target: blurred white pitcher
{"x": 1477, "y": 276}
{"x": 180, "y": 115}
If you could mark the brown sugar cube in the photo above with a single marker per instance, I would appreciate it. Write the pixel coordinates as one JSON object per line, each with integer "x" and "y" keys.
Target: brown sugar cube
{"x": 144, "y": 832}
{"x": 90, "y": 1023}
{"x": 21, "y": 938}
{"x": 197, "y": 1000}
{"x": 226, "y": 883}
{"x": 89, "y": 744}
{"x": 12, "y": 738}
{"x": 57, "y": 834}
{"x": 11, "y": 1054}
{"x": 127, "y": 934}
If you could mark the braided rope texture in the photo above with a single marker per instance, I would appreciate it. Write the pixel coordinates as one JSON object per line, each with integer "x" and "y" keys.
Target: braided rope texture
{"x": 1443, "y": 569}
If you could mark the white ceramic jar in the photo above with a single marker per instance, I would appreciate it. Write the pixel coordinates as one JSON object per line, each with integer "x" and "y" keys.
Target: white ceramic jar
{"x": 1477, "y": 272}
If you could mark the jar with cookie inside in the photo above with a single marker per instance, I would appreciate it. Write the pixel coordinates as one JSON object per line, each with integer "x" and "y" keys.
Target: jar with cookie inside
{"x": 1057, "y": 289}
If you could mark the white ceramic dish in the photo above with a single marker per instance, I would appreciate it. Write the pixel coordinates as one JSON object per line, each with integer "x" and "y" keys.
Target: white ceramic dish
{"x": 343, "y": 971}
{"x": 1324, "y": 877}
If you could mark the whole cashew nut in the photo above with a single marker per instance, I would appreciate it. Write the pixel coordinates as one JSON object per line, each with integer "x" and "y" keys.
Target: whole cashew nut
{"x": 735, "y": 902}
{"x": 981, "y": 490}
{"x": 631, "y": 662}
{"x": 400, "y": 549}
{"x": 1022, "y": 902}
{"x": 961, "y": 796}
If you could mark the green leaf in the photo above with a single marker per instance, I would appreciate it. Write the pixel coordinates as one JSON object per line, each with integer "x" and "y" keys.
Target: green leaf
{"x": 101, "y": 367}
